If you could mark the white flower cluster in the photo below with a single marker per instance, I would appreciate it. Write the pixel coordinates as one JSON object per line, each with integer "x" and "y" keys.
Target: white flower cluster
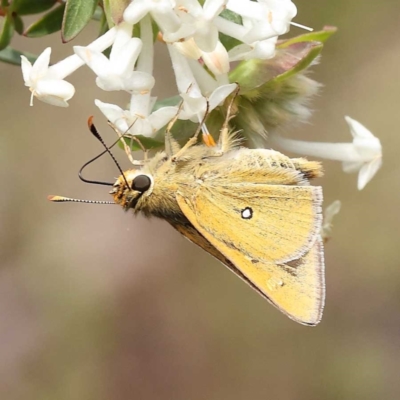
{"x": 191, "y": 32}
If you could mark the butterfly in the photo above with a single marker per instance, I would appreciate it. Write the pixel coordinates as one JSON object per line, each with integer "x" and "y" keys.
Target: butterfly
{"x": 254, "y": 210}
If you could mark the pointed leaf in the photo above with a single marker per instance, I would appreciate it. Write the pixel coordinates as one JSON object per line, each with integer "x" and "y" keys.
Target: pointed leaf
{"x": 318, "y": 36}
{"x": 28, "y": 7}
{"x": 49, "y": 23}
{"x": 7, "y": 32}
{"x": 77, "y": 15}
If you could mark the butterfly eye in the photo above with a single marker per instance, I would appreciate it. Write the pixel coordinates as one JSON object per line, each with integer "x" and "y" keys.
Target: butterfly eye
{"x": 141, "y": 183}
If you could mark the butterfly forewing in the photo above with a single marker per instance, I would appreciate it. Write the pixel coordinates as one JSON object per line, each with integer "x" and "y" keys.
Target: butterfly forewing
{"x": 271, "y": 223}
{"x": 282, "y": 257}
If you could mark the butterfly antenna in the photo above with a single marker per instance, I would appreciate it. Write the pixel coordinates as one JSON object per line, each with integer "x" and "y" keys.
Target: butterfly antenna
{"x": 61, "y": 199}
{"x": 94, "y": 159}
{"x": 86, "y": 164}
{"x": 96, "y": 134}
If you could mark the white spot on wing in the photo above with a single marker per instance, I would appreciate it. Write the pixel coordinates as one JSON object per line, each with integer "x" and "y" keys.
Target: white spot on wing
{"x": 247, "y": 213}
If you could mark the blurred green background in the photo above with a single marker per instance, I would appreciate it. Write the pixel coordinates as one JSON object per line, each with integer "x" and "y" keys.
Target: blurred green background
{"x": 95, "y": 304}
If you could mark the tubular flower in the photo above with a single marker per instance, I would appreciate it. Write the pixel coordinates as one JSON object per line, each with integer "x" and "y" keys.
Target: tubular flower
{"x": 364, "y": 154}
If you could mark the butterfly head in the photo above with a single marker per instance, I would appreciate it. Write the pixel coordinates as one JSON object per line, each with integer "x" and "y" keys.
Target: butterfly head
{"x": 130, "y": 187}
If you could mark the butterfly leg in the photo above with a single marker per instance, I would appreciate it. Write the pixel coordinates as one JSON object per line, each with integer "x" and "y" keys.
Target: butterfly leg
{"x": 193, "y": 140}
{"x": 226, "y": 140}
{"x": 225, "y": 137}
{"x": 171, "y": 145}
{"x": 127, "y": 148}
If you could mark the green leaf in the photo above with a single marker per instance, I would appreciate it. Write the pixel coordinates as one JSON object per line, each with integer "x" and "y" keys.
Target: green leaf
{"x": 108, "y": 12}
{"x": 49, "y": 23}
{"x": 12, "y": 56}
{"x": 318, "y": 36}
{"x": 7, "y": 32}
{"x": 77, "y": 15}
{"x": 28, "y": 7}
{"x": 228, "y": 41}
{"x": 231, "y": 16}
{"x": 18, "y": 24}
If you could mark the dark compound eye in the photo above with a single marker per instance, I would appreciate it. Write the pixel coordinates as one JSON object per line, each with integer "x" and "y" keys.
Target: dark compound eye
{"x": 141, "y": 183}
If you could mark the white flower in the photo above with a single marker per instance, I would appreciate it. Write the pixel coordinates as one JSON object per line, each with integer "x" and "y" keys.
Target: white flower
{"x": 367, "y": 157}
{"x": 44, "y": 83}
{"x": 47, "y": 82}
{"x": 116, "y": 73}
{"x": 364, "y": 154}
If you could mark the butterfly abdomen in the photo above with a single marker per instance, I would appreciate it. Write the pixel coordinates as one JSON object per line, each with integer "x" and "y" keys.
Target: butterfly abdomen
{"x": 309, "y": 169}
